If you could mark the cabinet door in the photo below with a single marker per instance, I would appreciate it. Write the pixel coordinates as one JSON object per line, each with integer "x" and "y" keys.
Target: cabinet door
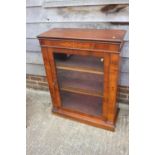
{"x": 79, "y": 82}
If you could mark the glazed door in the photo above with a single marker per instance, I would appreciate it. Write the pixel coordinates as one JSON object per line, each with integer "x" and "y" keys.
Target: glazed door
{"x": 80, "y": 81}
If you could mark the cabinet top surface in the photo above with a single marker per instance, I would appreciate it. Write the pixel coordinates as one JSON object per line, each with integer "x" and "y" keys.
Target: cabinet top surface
{"x": 84, "y": 34}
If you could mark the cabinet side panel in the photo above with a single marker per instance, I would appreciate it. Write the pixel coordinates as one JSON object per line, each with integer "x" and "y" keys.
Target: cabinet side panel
{"x": 106, "y": 85}
{"x": 113, "y": 82}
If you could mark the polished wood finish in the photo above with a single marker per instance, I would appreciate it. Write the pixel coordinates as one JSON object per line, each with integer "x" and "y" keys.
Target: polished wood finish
{"x": 84, "y": 86}
{"x": 82, "y": 34}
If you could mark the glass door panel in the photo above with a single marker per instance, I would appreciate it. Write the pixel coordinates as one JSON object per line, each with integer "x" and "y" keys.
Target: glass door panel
{"x": 80, "y": 80}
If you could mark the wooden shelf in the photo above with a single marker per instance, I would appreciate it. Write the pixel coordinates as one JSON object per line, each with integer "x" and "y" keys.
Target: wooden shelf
{"x": 81, "y": 64}
{"x": 81, "y": 91}
{"x": 89, "y": 105}
{"x": 85, "y": 83}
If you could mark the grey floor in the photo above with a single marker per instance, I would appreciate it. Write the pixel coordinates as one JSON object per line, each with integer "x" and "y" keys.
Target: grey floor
{"x": 48, "y": 134}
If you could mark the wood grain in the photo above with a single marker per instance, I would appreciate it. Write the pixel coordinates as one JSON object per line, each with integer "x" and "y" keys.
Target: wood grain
{"x": 84, "y": 34}
{"x": 32, "y": 45}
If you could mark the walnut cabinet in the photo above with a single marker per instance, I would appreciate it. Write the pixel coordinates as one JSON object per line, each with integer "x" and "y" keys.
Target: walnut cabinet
{"x": 82, "y": 68}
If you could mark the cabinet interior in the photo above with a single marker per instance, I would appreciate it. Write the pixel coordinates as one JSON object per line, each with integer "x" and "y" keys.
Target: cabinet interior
{"x": 80, "y": 80}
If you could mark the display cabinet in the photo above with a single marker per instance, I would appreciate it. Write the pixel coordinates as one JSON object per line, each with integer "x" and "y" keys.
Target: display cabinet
{"x": 82, "y": 68}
